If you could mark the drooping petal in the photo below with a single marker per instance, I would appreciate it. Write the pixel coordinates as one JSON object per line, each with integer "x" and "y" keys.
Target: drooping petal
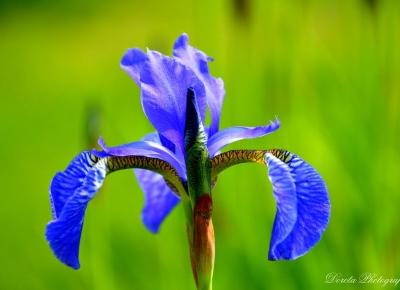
{"x": 144, "y": 148}
{"x": 197, "y": 61}
{"x": 303, "y": 206}
{"x": 70, "y": 193}
{"x": 159, "y": 200}
{"x": 233, "y": 134}
{"x": 284, "y": 191}
{"x": 164, "y": 82}
{"x": 72, "y": 189}
{"x": 66, "y": 182}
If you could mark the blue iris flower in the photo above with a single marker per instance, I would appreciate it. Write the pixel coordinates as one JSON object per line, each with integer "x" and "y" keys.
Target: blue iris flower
{"x": 169, "y": 86}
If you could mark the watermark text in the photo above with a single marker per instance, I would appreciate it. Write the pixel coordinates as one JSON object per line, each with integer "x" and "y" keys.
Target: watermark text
{"x": 364, "y": 278}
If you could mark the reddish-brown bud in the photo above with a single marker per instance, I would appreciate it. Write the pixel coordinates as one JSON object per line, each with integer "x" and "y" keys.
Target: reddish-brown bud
{"x": 202, "y": 248}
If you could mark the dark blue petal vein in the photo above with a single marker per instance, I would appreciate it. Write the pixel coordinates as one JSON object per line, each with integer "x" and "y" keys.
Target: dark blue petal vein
{"x": 64, "y": 232}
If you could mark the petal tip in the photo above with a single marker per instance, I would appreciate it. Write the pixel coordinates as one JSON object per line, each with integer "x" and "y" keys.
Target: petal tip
{"x": 133, "y": 56}
{"x": 181, "y": 41}
{"x": 52, "y": 234}
{"x": 153, "y": 228}
{"x": 271, "y": 257}
{"x": 101, "y": 142}
{"x": 103, "y": 146}
{"x": 276, "y": 124}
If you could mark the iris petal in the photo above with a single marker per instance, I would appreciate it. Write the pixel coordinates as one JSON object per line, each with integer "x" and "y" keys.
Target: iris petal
{"x": 70, "y": 193}
{"x": 233, "y": 134}
{"x": 132, "y": 62}
{"x": 159, "y": 200}
{"x": 144, "y": 148}
{"x": 164, "y": 82}
{"x": 64, "y": 183}
{"x": 197, "y": 61}
{"x": 303, "y": 207}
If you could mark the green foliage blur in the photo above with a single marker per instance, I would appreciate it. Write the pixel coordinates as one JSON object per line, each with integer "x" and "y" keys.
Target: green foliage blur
{"x": 330, "y": 70}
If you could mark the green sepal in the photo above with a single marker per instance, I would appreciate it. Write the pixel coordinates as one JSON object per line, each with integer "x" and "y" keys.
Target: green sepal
{"x": 198, "y": 165}
{"x": 199, "y": 215}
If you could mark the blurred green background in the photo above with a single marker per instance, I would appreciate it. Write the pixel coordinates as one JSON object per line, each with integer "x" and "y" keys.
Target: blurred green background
{"x": 330, "y": 70}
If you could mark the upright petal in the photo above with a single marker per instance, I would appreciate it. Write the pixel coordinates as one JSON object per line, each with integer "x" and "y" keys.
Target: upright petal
{"x": 132, "y": 62}
{"x": 197, "y": 61}
{"x": 70, "y": 193}
{"x": 164, "y": 82}
{"x": 166, "y": 143}
{"x": 233, "y": 134}
{"x": 303, "y": 206}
